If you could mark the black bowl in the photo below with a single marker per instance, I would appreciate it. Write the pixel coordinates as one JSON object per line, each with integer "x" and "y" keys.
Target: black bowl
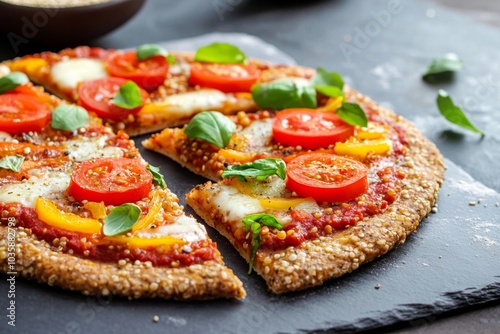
{"x": 64, "y": 26}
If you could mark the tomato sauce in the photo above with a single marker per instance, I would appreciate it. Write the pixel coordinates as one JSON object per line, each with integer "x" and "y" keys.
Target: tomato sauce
{"x": 87, "y": 246}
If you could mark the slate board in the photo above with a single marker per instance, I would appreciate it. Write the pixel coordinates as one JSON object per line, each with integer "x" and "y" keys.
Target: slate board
{"x": 452, "y": 262}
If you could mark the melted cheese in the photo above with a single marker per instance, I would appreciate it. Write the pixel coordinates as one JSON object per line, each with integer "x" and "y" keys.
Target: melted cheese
{"x": 48, "y": 186}
{"x": 235, "y": 205}
{"x": 187, "y": 104}
{"x": 68, "y": 73}
{"x": 88, "y": 148}
{"x": 184, "y": 227}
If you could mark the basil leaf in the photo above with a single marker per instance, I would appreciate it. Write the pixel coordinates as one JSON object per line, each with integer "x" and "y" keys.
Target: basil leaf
{"x": 157, "y": 176}
{"x": 329, "y": 91}
{"x": 171, "y": 59}
{"x": 220, "y": 53}
{"x": 254, "y": 223}
{"x": 12, "y": 162}
{"x": 69, "y": 117}
{"x": 129, "y": 96}
{"x": 259, "y": 169}
{"x": 442, "y": 69}
{"x": 121, "y": 219}
{"x": 285, "y": 93}
{"x": 211, "y": 126}
{"x": 12, "y": 80}
{"x": 328, "y": 83}
{"x": 453, "y": 113}
{"x": 353, "y": 114}
{"x": 150, "y": 50}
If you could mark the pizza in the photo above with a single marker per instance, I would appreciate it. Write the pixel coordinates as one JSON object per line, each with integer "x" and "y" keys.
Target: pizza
{"x": 82, "y": 210}
{"x": 306, "y": 197}
{"x": 172, "y": 89}
{"x": 307, "y": 178}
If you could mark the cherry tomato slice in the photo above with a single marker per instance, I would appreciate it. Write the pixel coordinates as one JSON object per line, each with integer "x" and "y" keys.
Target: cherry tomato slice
{"x": 22, "y": 113}
{"x": 113, "y": 181}
{"x": 224, "y": 77}
{"x": 327, "y": 177}
{"x": 96, "y": 95}
{"x": 148, "y": 73}
{"x": 309, "y": 129}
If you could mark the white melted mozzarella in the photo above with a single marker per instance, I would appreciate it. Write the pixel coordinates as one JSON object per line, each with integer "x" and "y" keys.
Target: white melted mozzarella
{"x": 68, "y": 73}
{"x": 189, "y": 103}
{"x": 259, "y": 133}
{"x": 93, "y": 147}
{"x": 184, "y": 227}
{"x": 47, "y": 186}
{"x": 235, "y": 205}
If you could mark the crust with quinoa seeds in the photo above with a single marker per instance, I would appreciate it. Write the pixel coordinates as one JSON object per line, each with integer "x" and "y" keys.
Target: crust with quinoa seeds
{"x": 336, "y": 253}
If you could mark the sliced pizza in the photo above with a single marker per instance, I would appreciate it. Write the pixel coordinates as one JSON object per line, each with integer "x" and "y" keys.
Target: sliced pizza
{"x": 168, "y": 88}
{"x": 88, "y": 213}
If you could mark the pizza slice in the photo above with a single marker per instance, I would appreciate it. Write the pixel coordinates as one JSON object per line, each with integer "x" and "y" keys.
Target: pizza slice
{"x": 81, "y": 209}
{"x": 303, "y": 195}
{"x": 169, "y": 88}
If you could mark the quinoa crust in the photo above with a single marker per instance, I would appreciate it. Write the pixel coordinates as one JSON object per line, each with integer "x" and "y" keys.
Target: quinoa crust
{"x": 318, "y": 260}
{"x": 35, "y": 259}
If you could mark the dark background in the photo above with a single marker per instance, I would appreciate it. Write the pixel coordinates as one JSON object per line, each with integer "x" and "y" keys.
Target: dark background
{"x": 383, "y": 56}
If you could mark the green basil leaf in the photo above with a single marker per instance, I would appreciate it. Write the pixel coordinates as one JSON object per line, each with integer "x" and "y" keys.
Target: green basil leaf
{"x": 258, "y": 169}
{"x": 329, "y": 91}
{"x": 129, "y": 96}
{"x": 285, "y": 93}
{"x": 121, "y": 219}
{"x": 224, "y": 53}
{"x": 69, "y": 117}
{"x": 157, "y": 176}
{"x": 211, "y": 126}
{"x": 171, "y": 59}
{"x": 353, "y": 114}
{"x": 150, "y": 50}
{"x": 254, "y": 224}
{"x": 12, "y": 162}
{"x": 327, "y": 78}
{"x": 442, "y": 69}
{"x": 12, "y": 80}
{"x": 453, "y": 113}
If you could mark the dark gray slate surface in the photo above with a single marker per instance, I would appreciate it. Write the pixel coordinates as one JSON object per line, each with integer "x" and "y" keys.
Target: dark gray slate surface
{"x": 452, "y": 261}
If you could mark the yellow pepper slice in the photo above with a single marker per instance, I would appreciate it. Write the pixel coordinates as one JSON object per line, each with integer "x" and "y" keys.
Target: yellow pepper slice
{"x": 137, "y": 242}
{"x": 48, "y": 212}
{"x": 362, "y": 148}
{"x": 154, "y": 209}
{"x": 281, "y": 203}
{"x": 29, "y": 65}
{"x": 98, "y": 209}
{"x": 332, "y": 104}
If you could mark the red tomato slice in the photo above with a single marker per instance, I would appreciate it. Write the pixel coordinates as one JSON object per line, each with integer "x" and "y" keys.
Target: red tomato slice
{"x": 327, "y": 177}
{"x": 96, "y": 95}
{"x": 22, "y": 113}
{"x": 225, "y": 77}
{"x": 148, "y": 73}
{"x": 113, "y": 181}
{"x": 309, "y": 128}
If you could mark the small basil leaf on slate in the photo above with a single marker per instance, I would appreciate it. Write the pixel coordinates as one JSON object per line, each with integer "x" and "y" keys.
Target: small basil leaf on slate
{"x": 12, "y": 162}
{"x": 150, "y": 50}
{"x": 453, "y": 113}
{"x": 69, "y": 117}
{"x": 353, "y": 114}
{"x": 442, "y": 69}
{"x": 220, "y": 53}
{"x": 258, "y": 169}
{"x": 211, "y": 126}
{"x": 129, "y": 96}
{"x": 121, "y": 219}
{"x": 285, "y": 93}
{"x": 12, "y": 80}
{"x": 157, "y": 176}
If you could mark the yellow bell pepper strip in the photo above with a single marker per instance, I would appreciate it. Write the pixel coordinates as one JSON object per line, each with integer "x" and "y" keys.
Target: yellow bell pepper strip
{"x": 29, "y": 65}
{"x": 149, "y": 218}
{"x": 372, "y": 132}
{"x": 361, "y": 148}
{"x": 332, "y": 104}
{"x": 281, "y": 203}
{"x": 97, "y": 209}
{"x": 137, "y": 242}
{"x": 48, "y": 212}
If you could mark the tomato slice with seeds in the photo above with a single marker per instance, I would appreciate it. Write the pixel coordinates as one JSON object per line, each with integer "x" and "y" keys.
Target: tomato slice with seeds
{"x": 224, "y": 77}
{"x": 22, "y": 113}
{"x": 309, "y": 129}
{"x": 327, "y": 177}
{"x": 148, "y": 73}
{"x": 97, "y": 95}
{"x": 113, "y": 181}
